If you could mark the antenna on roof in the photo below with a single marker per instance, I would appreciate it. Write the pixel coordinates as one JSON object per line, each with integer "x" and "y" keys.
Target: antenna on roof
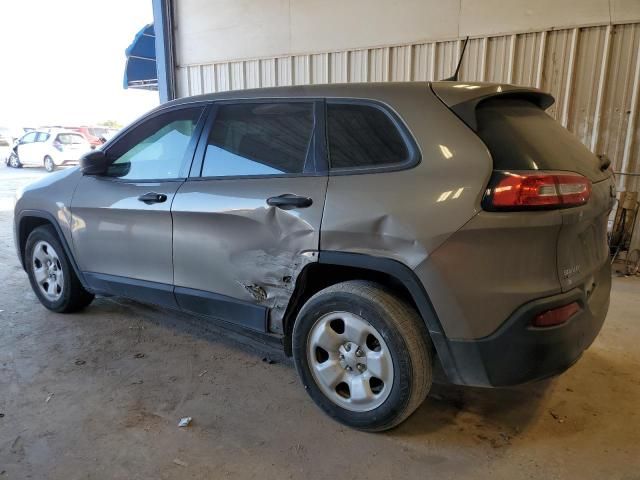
{"x": 454, "y": 77}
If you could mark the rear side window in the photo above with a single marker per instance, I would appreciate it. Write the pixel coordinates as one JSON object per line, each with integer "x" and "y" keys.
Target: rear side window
{"x": 521, "y": 136}
{"x": 363, "y": 136}
{"x": 259, "y": 139}
{"x": 97, "y": 131}
{"x": 70, "y": 138}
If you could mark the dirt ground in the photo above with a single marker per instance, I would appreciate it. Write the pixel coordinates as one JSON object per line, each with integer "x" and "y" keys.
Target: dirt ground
{"x": 99, "y": 395}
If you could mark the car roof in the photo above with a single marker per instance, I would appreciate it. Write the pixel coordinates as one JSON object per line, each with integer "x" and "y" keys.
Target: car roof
{"x": 365, "y": 90}
{"x": 56, "y": 131}
{"x": 372, "y": 90}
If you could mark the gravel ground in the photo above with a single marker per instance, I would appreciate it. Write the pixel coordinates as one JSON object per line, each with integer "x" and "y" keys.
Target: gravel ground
{"x": 99, "y": 395}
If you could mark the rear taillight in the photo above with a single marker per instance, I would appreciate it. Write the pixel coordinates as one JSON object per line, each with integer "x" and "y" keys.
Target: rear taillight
{"x": 555, "y": 316}
{"x": 536, "y": 190}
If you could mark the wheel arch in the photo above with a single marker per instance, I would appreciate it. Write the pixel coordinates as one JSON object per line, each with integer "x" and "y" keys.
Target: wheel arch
{"x": 334, "y": 267}
{"x": 29, "y": 220}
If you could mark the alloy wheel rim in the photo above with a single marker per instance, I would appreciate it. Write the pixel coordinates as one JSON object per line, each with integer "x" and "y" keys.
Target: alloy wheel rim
{"x": 48, "y": 164}
{"x": 47, "y": 270}
{"x": 350, "y": 361}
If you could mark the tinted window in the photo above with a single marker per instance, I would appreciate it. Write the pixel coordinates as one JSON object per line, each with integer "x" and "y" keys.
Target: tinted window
{"x": 70, "y": 138}
{"x": 521, "y": 136}
{"x": 363, "y": 136}
{"x": 155, "y": 149}
{"x": 97, "y": 131}
{"x": 259, "y": 139}
{"x": 42, "y": 137}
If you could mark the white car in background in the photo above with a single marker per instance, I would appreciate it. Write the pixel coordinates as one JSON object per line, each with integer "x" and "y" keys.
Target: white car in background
{"x": 51, "y": 148}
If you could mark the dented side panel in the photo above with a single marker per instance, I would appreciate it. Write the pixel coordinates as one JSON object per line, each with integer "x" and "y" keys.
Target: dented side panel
{"x": 227, "y": 240}
{"x": 406, "y": 215}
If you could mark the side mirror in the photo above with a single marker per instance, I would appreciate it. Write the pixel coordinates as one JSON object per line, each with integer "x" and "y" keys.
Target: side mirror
{"x": 94, "y": 162}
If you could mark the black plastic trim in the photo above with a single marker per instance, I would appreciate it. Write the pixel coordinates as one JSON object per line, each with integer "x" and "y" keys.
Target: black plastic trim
{"x": 145, "y": 291}
{"x": 201, "y": 146}
{"x": 519, "y": 353}
{"x": 412, "y": 283}
{"x": 245, "y": 314}
{"x": 199, "y": 302}
{"x": 51, "y": 219}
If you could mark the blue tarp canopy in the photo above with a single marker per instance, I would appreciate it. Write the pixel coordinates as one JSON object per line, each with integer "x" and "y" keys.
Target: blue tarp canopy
{"x": 140, "y": 69}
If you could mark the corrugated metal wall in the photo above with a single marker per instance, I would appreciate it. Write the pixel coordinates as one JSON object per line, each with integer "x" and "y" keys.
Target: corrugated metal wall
{"x": 593, "y": 72}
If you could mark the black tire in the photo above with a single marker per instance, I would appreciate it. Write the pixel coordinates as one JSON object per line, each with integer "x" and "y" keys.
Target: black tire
{"x": 73, "y": 296}
{"x": 49, "y": 165}
{"x": 13, "y": 161}
{"x": 402, "y": 330}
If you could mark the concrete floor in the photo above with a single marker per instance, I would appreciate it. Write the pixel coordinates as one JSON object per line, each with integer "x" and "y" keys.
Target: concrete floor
{"x": 77, "y": 402}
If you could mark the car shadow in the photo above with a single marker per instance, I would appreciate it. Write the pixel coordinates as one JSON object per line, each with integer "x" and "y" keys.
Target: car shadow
{"x": 205, "y": 328}
{"x": 459, "y": 415}
{"x": 491, "y": 415}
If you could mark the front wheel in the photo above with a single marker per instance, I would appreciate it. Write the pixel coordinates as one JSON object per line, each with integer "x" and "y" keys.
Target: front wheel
{"x": 49, "y": 165}
{"x": 14, "y": 161}
{"x": 362, "y": 354}
{"x": 52, "y": 277}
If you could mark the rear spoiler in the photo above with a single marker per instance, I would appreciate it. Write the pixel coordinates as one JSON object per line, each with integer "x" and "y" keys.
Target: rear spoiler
{"x": 463, "y": 98}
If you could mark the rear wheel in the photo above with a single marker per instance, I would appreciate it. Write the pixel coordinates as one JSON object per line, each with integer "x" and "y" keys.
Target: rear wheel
{"x": 52, "y": 278}
{"x": 362, "y": 355}
{"x": 49, "y": 166}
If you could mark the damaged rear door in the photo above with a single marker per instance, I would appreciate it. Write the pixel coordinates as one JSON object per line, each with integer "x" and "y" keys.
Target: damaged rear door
{"x": 247, "y": 221}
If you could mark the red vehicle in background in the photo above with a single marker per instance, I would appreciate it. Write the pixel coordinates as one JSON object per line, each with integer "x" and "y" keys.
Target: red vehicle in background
{"x": 95, "y": 135}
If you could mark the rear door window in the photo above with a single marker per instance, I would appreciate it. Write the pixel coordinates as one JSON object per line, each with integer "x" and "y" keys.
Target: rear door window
{"x": 253, "y": 139}
{"x": 363, "y": 136}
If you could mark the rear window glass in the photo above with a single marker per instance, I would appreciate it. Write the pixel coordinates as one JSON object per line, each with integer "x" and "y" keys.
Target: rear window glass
{"x": 70, "y": 138}
{"x": 363, "y": 136}
{"x": 98, "y": 132}
{"x": 521, "y": 136}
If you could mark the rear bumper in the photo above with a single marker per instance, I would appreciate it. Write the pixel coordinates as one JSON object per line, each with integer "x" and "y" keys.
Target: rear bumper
{"x": 518, "y": 353}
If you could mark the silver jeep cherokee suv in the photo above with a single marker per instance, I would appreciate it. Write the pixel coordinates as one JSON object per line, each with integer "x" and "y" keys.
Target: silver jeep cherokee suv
{"x": 383, "y": 232}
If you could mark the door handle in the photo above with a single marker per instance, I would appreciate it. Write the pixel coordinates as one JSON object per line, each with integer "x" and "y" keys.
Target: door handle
{"x": 152, "y": 197}
{"x": 289, "y": 201}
